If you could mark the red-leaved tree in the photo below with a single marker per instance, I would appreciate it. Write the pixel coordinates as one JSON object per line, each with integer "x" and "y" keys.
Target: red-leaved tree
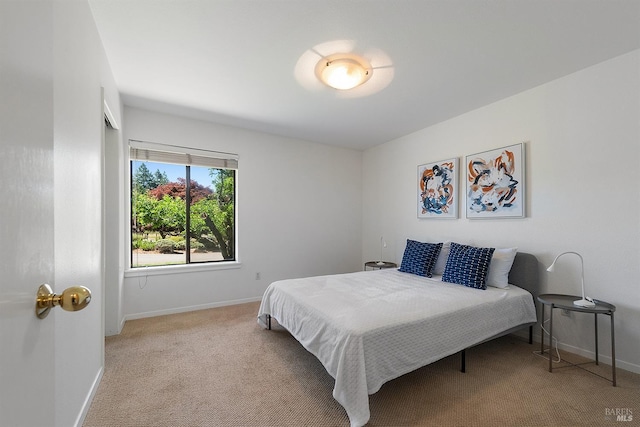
{"x": 179, "y": 189}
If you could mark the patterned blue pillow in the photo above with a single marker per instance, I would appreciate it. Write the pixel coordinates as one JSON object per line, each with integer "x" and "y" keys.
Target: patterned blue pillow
{"x": 468, "y": 266}
{"x": 419, "y": 258}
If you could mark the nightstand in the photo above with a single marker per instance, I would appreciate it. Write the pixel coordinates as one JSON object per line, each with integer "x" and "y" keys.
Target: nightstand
{"x": 565, "y": 302}
{"x": 375, "y": 266}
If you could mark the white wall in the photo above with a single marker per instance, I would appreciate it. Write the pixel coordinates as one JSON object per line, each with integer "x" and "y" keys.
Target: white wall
{"x": 299, "y": 214}
{"x": 582, "y": 153}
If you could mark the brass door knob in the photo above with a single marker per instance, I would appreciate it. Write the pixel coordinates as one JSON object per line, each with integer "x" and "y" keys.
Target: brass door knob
{"x": 72, "y": 299}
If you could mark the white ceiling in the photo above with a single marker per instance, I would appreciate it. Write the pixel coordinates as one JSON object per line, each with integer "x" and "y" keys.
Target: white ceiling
{"x": 243, "y": 62}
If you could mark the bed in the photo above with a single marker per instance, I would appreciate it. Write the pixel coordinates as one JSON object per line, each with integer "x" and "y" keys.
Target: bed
{"x": 368, "y": 328}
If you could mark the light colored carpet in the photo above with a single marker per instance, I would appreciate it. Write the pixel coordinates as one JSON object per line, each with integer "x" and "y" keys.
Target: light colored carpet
{"x": 218, "y": 367}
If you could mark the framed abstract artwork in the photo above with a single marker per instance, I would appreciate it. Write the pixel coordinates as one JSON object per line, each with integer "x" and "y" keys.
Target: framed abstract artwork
{"x": 438, "y": 189}
{"x": 495, "y": 183}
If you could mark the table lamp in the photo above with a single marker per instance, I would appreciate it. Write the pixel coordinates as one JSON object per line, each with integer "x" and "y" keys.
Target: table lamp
{"x": 383, "y": 244}
{"x": 581, "y": 302}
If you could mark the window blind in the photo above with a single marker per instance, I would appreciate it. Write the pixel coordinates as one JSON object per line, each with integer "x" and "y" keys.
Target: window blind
{"x": 154, "y": 152}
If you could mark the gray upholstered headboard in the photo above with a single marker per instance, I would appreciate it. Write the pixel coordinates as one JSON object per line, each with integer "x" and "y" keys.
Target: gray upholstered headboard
{"x": 524, "y": 273}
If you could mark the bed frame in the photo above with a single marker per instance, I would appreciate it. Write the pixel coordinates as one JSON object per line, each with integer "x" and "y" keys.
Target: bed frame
{"x": 524, "y": 274}
{"x": 344, "y": 358}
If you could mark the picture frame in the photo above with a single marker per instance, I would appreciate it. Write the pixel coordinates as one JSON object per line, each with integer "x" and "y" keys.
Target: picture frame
{"x": 438, "y": 189}
{"x": 495, "y": 184}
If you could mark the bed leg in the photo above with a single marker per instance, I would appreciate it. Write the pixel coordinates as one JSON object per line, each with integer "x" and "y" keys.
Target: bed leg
{"x": 530, "y": 334}
{"x": 269, "y": 321}
{"x": 463, "y": 367}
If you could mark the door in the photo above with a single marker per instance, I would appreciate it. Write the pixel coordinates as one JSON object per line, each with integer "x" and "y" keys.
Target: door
{"x": 50, "y": 210}
{"x": 26, "y": 214}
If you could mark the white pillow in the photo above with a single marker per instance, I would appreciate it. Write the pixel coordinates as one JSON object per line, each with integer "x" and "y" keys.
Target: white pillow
{"x": 441, "y": 262}
{"x": 501, "y": 262}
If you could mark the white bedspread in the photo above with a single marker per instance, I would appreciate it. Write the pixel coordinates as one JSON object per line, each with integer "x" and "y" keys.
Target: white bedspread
{"x": 370, "y": 327}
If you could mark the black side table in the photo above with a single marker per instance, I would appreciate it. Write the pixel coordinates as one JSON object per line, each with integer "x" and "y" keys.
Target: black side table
{"x": 565, "y": 302}
{"x": 374, "y": 265}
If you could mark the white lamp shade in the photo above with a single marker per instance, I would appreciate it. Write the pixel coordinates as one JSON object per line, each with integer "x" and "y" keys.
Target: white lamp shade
{"x": 343, "y": 72}
{"x": 584, "y": 302}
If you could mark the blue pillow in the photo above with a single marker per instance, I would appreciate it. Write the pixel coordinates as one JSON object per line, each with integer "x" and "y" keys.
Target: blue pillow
{"x": 419, "y": 258}
{"x": 468, "y": 266}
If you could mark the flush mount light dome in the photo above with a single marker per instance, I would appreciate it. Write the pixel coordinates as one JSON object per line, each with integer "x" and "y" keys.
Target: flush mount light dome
{"x": 314, "y": 62}
{"x": 343, "y": 71}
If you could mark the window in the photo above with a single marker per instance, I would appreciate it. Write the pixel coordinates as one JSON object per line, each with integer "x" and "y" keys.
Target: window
{"x": 183, "y": 205}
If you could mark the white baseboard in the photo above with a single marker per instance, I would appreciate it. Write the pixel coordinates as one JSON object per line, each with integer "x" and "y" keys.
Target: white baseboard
{"x": 627, "y": 366}
{"x": 589, "y": 354}
{"x": 188, "y": 308}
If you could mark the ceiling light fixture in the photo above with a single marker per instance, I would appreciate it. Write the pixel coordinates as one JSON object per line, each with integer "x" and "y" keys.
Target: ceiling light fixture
{"x": 370, "y": 75}
{"x": 343, "y": 71}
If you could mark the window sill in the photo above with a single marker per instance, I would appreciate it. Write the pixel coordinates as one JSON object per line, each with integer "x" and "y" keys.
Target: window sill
{"x": 181, "y": 269}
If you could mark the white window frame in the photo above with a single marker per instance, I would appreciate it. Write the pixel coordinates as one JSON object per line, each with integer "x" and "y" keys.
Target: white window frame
{"x": 165, "y": 153}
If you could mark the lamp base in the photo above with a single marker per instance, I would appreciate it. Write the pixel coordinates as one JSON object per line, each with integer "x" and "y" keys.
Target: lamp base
{"x": 584, "y": 303}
